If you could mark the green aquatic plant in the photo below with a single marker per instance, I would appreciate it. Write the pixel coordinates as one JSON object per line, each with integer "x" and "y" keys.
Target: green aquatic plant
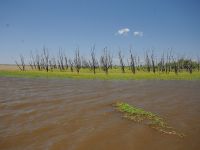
{"x": 114, "y": 74}
{"x": 149, "y": 118}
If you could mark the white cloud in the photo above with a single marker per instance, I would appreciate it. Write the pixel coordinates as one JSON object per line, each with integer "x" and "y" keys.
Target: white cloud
{"x": 123, "y": 31}
{"x": 138, "y": 33}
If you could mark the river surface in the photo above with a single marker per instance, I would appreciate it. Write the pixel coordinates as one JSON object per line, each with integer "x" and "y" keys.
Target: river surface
{"x": 64, "y": 114}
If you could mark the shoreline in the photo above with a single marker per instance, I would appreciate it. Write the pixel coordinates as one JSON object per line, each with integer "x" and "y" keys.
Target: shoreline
{"x": 14, "y": 72}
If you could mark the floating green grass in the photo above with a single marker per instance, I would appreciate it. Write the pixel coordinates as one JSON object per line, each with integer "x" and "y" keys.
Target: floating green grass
{"x": 149, "y": 118}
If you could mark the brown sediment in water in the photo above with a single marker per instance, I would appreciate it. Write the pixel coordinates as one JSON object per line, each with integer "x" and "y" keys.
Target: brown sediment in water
{"x": 77, "y": 114}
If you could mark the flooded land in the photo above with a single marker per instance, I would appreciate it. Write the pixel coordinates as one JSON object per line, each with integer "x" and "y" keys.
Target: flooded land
{"x": 64, "y": 114}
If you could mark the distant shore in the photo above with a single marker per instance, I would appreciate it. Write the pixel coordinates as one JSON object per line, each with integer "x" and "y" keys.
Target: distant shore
{"x": 8, "y": 67}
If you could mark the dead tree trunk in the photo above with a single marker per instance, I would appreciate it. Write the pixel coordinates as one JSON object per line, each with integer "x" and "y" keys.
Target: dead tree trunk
{"x": 38, "y": 62}
{"x": 77, "y": 61}
{"x": 46, "y": 59}
{"x": 163, "y": 63}
{"x": 148, "y": 64}
{"x": 66, "y": 62}
{"x": 121, "y": 61}
{"x": 94, "y": 62}
{"x": 175, "y": 66}
{"x": 198, "y": 63}
{"x": 105, "y": 60}
{"x": 190, "y": 66}
{"x": 153, "y": 62}
{"x": 71, "y": 65}
{"x": 132, "y": 63}
{"x": 61, "y": 60}
{"x": 110, "y": 61}
{"x": 22, "y": 65}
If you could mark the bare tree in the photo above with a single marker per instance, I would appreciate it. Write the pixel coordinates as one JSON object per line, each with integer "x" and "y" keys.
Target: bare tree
{"x": 121, "y": 61}
{"x": 37, "y": 61}
{"x": 42, "y": 62}
{"x": 31, "y": 64}
{"x": 61, "y": 60}
{"x": 32, "y": 61}
{"x": 66, "y": 62}
{"x": 110, "y": 60}
{"x": 22, "y": 65}
{"x": 167, "y": 63}
{"x": 132, "y": 63}
{"x": 53, "y": 62}
{"x": 198, "y": 63}
{"x": 153, "y": 62}
{"x": 190, "y": 67}
{"x": 175, "y": 65}
{"x": 71, "y": 64}
{"x": 162, "y": 63}
{"x": 138, "y": 63}
{"x": 94, "y": 62}
{"x": 148, "y": 62}
{"x": 105, "y": 60}
{"x": 59, "y": 65}
{"x": 51, "y": 65}
{"x": 169, "y": 60}
{"x": 46, "y": 59}
{"x": 77, "y": 61}
{"x": 128, "y": 64}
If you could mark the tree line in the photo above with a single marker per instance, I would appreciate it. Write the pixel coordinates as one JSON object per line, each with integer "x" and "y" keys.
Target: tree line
{"x": 166, "y": 63}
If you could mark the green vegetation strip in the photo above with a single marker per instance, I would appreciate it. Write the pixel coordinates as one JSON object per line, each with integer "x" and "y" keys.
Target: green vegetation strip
{"x": 149, "y": 118}
{"x": 86, "y": 74}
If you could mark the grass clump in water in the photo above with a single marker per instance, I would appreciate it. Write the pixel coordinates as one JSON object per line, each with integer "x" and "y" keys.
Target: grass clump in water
{"x": 149, "y": 118}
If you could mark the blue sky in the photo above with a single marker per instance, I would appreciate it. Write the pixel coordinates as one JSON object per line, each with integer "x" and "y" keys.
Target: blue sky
{"x": 28, "y": 25}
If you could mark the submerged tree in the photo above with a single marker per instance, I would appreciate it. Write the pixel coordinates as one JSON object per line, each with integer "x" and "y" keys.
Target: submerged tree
{"x": 121, "y": 61}
{"x": 77, "y": 61}
{"x": 148, "y": 62}
{"x": 71, "y": 65}
{"x": 61, "y": 60}
{"x": 161, "y": 64}
{"x": 37, "y": 59}
{"x": 153, "y": 62}
{"x": 110, "y": 60}
{"x": 198, "y": 63}
{"x": 175, "y": 65}
{"x": 94, "y": 62}
{"x": 22, "y": 65}
{"x": 105, "y": 60}
{"x": 132, "y": 63}
{"x": 66, "y": 62}
{"x": 46, "y": 59}
{"x": 32, "y": 62}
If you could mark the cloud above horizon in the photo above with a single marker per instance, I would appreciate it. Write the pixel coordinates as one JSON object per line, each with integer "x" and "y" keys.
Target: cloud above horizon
{"x": 123, "y": 31}
{"x": 138, "y": 33}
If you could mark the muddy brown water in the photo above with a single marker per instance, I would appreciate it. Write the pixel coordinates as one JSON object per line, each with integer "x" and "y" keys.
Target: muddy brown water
{"x": 63, "y": 114}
